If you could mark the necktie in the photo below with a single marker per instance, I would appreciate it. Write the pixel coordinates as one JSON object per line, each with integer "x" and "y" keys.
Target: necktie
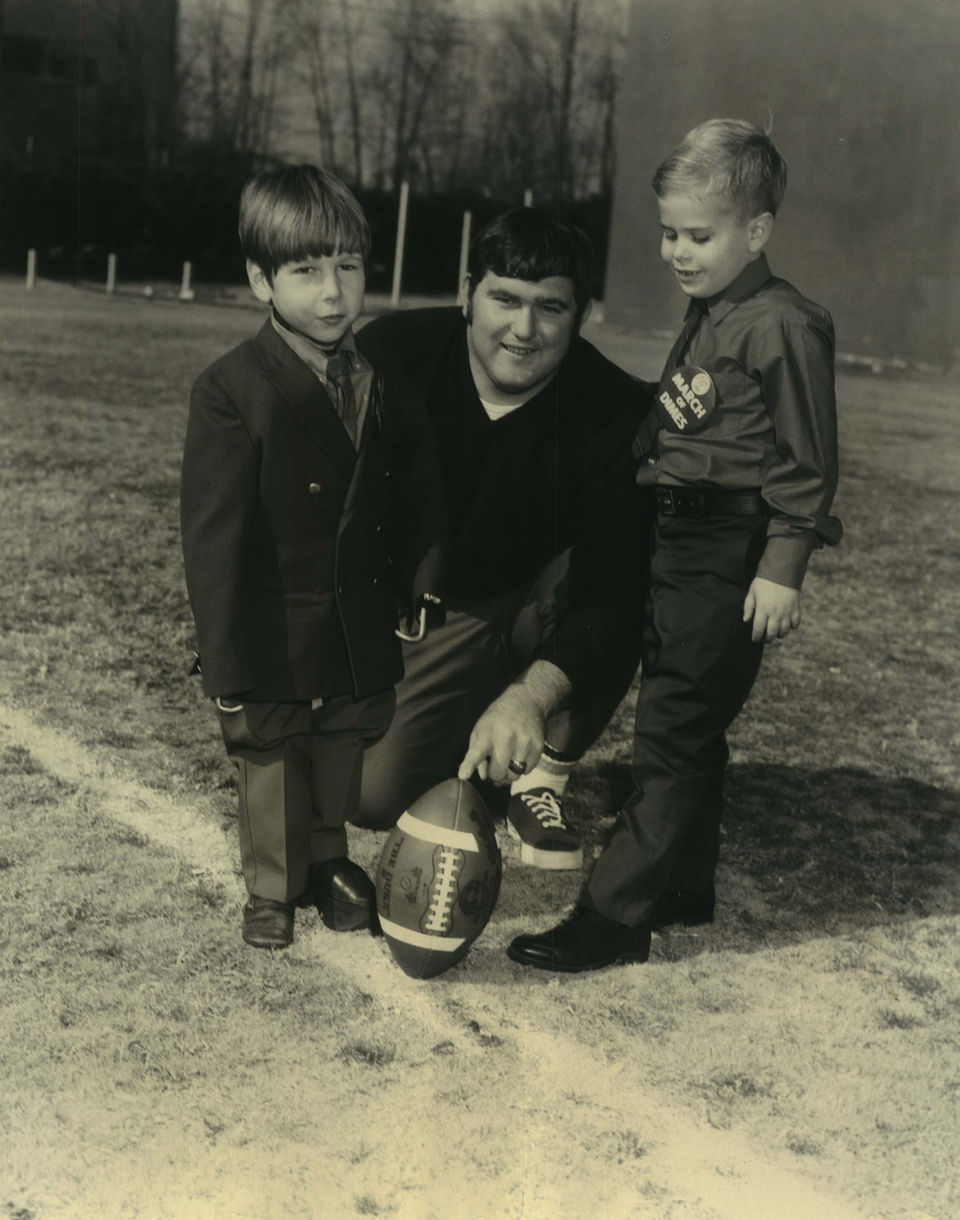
{"x": 691, "y": 324}
{"x": 338, "y": 378}
{"x": 645, "y": 441}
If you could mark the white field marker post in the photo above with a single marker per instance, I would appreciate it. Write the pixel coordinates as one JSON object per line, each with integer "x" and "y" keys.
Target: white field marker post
{"x": 111, "y": 272}
{"x": 186, "y": 292}
{"x": 464, "y": 247}
{"x": 401, "y": 239}
{"x": 31, "y": 269}
{"x": 528, "y": 198}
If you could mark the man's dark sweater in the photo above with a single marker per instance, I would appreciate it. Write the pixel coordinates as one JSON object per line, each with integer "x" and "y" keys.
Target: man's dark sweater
{"x": 555, "y": 473}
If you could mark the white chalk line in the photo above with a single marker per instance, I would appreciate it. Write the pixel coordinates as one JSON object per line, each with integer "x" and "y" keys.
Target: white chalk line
{"x": 715, "y": 1171}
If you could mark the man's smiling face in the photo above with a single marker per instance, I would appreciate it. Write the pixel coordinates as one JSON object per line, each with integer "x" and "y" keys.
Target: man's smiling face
{"x": 518, "y": 332}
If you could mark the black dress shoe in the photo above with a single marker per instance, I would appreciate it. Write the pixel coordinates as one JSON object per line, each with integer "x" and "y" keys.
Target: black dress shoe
{"x": 345, "y": 897}
{"x": 586, "y": 940}
{"x": 687, "y": 907}
{"x": 268, "y": 924}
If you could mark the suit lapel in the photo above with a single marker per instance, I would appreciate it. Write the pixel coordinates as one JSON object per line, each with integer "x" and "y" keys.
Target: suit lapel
{"x": 301, "y": 389}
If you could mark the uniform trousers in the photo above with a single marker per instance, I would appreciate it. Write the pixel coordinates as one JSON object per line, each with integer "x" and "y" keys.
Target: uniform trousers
{"x": 452, "y": 676}
{"x": 698, "y": 667}
{"x": 298, "y": 771}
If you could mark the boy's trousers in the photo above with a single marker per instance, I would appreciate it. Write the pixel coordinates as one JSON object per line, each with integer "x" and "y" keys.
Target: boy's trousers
{"x": 298, "y": 771}
{"x": 699, "y": 664}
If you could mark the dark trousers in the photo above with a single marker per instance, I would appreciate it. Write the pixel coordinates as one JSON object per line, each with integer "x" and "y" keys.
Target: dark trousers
{"x": 699, "y": 665}
{"x": 452, "y": 676}
{"x": 298, "y": 771}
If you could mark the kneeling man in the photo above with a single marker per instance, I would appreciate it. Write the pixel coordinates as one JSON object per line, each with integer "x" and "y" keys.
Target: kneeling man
{"x": 547, "y": 546}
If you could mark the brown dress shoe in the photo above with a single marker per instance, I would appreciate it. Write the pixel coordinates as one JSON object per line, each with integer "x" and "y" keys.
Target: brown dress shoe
{"x": 268, "y": 924}
{"x": 586, "y": 940}
{"x": 345, "y": 897}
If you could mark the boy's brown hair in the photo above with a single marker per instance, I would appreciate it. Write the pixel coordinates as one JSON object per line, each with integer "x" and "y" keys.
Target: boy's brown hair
{"x": 297, "y": 212}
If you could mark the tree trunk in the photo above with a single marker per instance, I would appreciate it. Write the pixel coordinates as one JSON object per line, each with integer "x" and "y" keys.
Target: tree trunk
{"x": 564, "y": 157}
{"x": 353, "y": 94}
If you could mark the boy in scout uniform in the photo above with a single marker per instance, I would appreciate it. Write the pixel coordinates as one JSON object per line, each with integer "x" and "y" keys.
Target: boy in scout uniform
{"x": 301, "y": 460}
{"x": 743, "y": 459}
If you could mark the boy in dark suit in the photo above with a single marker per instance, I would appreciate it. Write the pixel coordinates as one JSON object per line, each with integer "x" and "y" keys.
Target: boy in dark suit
{"x": 306, "y": 471}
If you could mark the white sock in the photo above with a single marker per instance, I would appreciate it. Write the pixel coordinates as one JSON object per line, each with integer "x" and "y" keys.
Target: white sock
{"x": 548, "y": 773}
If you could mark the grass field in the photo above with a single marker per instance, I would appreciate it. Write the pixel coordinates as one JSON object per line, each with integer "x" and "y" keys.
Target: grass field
{"x": 799, "y": 1058}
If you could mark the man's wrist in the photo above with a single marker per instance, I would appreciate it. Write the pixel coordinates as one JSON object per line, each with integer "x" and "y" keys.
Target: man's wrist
{"x": 546, "y": 685}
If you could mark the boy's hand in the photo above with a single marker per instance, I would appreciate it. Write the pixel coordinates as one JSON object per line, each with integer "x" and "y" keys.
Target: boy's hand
{"x": 775, "y": 609}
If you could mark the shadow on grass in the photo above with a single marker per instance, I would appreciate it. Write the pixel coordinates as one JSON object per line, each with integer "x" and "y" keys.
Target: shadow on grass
{"x": 805, "y": 853}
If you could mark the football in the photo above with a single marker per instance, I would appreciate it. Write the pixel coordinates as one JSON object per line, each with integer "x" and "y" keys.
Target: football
{"x": 438, "y": 879}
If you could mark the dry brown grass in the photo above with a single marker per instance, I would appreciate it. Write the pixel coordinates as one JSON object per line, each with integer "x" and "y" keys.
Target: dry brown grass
{"x": 798, "y": 1058}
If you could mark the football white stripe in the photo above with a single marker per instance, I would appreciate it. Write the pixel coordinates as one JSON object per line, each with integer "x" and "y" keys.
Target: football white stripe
{"x": 420, "y": 829}
{"x": 445, "y": 944}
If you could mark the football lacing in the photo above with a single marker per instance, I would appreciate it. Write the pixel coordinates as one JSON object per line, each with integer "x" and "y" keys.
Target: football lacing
{"x": 448, "y": 864}
{"x": 546, "y": 808}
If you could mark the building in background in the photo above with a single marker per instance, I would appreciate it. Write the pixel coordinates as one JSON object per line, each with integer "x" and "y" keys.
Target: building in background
{"x": 89, "y": 81}
{"x": 863, "y": 99}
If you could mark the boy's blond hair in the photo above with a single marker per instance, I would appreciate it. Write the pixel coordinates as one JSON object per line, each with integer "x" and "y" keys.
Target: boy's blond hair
{"x": 299, "y": 211}
{"x": 727, "y": 159}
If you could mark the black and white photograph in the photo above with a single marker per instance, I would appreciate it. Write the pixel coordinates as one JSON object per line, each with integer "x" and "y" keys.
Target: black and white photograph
{"x": 479, "y": 601}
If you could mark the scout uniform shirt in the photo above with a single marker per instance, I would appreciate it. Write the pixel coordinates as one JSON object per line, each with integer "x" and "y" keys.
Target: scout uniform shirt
{"x": 754, "y": 407}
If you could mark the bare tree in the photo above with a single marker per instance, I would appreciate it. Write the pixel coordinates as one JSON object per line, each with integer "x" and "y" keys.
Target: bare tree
{"x": 568, "y": 51}
{"x": 138, "y": 86}
{"x": 311, "y": 27}
{"x": 353, "y": 94}
{"x": 424, "y": 32}
{"x": 544, "y": 37}
{"x": 231, "y": 92}
{"x": 496, "y": 98}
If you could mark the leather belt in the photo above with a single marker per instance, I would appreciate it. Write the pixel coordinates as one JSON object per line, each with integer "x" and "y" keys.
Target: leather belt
{"x": 708, "y": 502}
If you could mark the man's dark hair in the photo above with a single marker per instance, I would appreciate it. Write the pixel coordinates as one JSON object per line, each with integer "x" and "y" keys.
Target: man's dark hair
{"x": 526, "y": 244}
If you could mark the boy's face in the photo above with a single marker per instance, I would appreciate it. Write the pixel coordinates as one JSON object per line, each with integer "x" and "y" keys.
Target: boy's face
{"x": 320, "y": 296}
{"x": 706, "y": 244}
{"x": 518, "y": 332}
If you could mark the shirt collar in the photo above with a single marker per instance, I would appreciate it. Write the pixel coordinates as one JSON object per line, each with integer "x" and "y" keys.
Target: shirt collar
{"x": 754, "y": 275}
{"x": 311, "y": 353}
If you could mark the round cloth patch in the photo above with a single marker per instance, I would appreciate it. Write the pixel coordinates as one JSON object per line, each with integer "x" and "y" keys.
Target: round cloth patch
{"x": 686, "y": 399}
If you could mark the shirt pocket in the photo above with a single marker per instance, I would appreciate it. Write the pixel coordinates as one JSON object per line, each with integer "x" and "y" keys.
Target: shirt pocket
{"x": 740, "y": 411}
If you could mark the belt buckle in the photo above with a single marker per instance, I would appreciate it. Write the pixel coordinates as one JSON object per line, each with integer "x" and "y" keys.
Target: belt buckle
{"x": 682, "y": 501}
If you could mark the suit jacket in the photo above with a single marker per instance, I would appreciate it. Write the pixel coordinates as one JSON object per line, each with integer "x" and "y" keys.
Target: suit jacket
{"x": 292, "y": 539}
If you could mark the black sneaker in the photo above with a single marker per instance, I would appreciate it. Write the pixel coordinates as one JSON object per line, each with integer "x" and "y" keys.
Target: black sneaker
{"x": 547, "y": 840}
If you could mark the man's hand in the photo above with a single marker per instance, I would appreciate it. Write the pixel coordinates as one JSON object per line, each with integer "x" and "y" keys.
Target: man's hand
{"x": 513, "y": 726}
{"x": 775, "y": 609}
